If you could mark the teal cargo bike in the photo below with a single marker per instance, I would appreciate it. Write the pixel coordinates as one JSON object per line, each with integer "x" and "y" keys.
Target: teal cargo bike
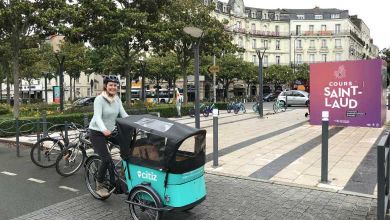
{"x": 162, "y": 165}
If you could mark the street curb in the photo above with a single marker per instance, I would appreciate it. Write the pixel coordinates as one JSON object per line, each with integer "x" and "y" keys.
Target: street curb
{"x": 292, "y": 184}
{"x": 14, "y": 142}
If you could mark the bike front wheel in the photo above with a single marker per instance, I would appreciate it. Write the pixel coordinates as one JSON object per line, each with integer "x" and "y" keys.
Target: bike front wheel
{"x": 45, "y": 152}
{"x": 255, "y": 107}
{"x": 144, "y": 205}
{"x": 70, "y": 160}
{"x": 91, "y": 172}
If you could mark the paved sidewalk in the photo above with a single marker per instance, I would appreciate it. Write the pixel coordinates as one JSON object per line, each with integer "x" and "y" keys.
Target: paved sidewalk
{"x": 229, "y": 198}
{"x": 285, "y": 148}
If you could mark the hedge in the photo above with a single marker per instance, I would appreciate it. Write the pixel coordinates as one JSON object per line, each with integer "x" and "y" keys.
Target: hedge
{"x": 7, "y": 128}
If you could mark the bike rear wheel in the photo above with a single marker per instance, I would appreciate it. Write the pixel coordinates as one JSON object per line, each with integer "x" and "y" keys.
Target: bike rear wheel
{"x": 255, "y": 107}
{"x": 45, "y": 152}
{"x": 70, "y": 160}
{"x": 191, "y": 112}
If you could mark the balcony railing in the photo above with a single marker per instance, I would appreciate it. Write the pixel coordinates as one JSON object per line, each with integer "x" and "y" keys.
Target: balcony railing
{"x": 257, "y": 32}
{"x": 320, "y": 33}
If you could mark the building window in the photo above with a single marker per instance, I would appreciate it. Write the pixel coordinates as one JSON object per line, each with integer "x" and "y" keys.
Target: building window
{"x": 265, "y": 60}
{"x": 312, "y": 44}
{"x": 238, "y": 24}
{"x": 311, "y": 29}
{"x": 338, "y": 56}
{"x": 323, "y": 27}
{"x": 224, "y": 9}
{"x": 277, "y": 18}
{"x": 240, "y": 42}
{"x": 299, "y": 58}
{"x": 78, "y": 80}
{"x": 299, "y": 44}
{"x": 277, "y": 30}
{"x": 338, "y": 43}
{"x": 324, "y": 57}
{"x": 298, "y": 29}
{"x": 253, "y": 28}
{"x": 254, "y": 44}
{"x": 278, "y": 60}
{"x": 265, "y": 44}
{"x": 337, "y": 28}
{"x": 253, "y": 14}
{"x": 317, "y": 17}
{"x": 312, "y": 58}
{"x": 265, "y": 16}
{"x": 301, "y": 17}
{"x": 323, "y": 43}
{"x": 335, "y": 16}
{"x": 277, "y": 45}
{"x": 254, "y": 58}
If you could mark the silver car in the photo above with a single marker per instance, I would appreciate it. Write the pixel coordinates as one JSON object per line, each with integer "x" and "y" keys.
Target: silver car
{"x": 294, "y": 97}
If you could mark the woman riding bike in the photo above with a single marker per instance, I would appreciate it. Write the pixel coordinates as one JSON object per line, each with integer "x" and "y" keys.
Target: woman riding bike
{"x": 106, "y": 108}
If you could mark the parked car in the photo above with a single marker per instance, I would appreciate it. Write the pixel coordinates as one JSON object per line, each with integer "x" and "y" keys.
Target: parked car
{"x": 84, "y": 101}
{"x": 271, "y": 96}
{"x": 294, "y": 97}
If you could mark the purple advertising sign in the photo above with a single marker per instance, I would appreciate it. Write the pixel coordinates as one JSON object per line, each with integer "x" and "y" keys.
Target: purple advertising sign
{"x": 352, "y": 91}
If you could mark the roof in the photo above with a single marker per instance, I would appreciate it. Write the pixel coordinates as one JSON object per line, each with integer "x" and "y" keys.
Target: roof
{"x": 163, "y": 127}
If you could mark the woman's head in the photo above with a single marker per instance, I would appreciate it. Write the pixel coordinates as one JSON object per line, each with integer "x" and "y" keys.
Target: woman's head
{"x": 110, "y": 84}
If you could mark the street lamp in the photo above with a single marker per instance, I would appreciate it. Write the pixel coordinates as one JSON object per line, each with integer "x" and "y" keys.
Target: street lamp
{"x": 260, "y": 53}
{"x": 198, "y": 34}
{"x": 143, "y": 65}
{"x": 61, "y": 58}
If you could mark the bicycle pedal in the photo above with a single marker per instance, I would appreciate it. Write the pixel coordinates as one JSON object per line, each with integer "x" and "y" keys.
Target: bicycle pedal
{"x": 112, "y": 190}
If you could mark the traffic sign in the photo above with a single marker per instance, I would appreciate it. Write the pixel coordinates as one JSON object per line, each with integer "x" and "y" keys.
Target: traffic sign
{"x": 213, "y": 69}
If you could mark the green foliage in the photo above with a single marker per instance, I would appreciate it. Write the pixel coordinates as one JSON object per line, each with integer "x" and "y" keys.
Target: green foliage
{"x": 278, "y": 74}
{"x": 301, "y": 72}
{"x": 5, "y": 109}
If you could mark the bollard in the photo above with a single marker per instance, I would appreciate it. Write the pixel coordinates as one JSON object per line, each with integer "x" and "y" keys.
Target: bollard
{"x": 17, "y": 137}
{"x": 86, "y": 120}
{"x": 66, "y": 133}
{"x": 325, "y": 137}
{"x": 215, "y": 137}
{"x": 44, "y": 124}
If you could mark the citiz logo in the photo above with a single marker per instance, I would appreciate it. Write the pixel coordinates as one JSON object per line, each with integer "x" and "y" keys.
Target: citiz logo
{"x": 147, "y": 175}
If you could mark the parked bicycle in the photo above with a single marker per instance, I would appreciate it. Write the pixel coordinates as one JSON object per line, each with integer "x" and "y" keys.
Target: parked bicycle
{"x": 204, "y": 109}
{"x": 239, "y": 107}
{"x": 71, "y": 159}
{"x": 279, "y": 106}
{"x": 44, "y": 152}
{"x": 255, "y": 107}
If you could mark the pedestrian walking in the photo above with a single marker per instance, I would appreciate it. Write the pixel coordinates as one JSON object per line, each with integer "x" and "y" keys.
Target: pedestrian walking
{"x": 179, "y": 101}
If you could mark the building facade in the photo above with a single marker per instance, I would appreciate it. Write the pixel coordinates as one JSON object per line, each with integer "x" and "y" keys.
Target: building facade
{"x": 295, "y": 36}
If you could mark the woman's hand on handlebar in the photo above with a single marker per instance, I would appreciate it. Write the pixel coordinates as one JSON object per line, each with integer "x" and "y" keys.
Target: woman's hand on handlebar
{"x": 107, "y": 133}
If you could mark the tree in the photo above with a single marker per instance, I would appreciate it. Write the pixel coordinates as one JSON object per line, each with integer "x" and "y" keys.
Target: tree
{"x": 126, "y": 26}
{"x": 250, "y": 76}
{"x": 302, "y": 73}
{"x": 22, "y": 23}
{"x": 278, "y": 74}
{"x": 385, "y": 55}
{"x": 5, "y": 68}
{"x": 231, "y": 69}
{"x": 163, "y": 68}
{"x": 75, "y": 62}
{"x": 180, "y": 14}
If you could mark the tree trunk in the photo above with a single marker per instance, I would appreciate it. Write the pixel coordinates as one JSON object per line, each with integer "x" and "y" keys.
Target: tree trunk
{"x": 74, "y": 88}
{"x": 8, "y": 91}
{"x": 15, "y": 70}
{"x": 1, "y": 89}
{"x": 70, "y": 89}
{"x": 29, "y": 91}
{"x": 169, "y": 90}
{"x": 158, "y": 90}
{"x": 226, "y": 90}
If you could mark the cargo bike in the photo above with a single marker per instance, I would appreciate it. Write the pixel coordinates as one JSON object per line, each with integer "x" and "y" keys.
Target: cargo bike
{"x": 162, "y": 166}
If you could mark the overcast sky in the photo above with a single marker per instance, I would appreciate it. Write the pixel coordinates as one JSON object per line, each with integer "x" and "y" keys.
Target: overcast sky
{"x": 373, "y": 13}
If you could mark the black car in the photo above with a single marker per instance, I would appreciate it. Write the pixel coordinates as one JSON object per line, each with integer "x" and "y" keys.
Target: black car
{"x": 84, "y": 101}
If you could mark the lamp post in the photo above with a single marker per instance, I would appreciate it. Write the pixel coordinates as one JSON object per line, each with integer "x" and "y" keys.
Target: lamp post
{"x": 260, "y": 53}
{"x": 198, "y": 34}
{"x": 61, "y": 58}
{"x": 143, "y": 65}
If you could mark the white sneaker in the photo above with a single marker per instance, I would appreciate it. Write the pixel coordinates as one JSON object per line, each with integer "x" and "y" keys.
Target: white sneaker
{"x": 101, "y": 191}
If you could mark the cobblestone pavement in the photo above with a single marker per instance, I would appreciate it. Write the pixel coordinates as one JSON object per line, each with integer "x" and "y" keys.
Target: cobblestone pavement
{"x": 230, "y": 198}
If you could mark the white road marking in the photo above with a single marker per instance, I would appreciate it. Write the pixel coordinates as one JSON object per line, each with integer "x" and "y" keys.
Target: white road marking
{"x": 8, "y": 173}
{"x": 36, "y": 180}
{"x": 68, "y": 188}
